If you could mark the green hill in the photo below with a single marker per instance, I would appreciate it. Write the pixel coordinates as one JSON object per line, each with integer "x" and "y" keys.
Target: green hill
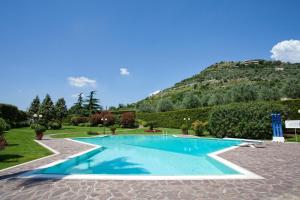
{"x": 228, "y": 82}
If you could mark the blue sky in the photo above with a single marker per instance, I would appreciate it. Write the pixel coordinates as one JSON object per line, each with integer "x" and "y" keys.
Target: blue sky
{"x": 70, "y": 46}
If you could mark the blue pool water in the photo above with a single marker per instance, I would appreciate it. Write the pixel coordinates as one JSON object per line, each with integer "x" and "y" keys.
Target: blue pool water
{"x": 147, "y": 155}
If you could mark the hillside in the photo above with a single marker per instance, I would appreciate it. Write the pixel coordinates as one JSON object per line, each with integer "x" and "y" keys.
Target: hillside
{"x": 227, "y": 82}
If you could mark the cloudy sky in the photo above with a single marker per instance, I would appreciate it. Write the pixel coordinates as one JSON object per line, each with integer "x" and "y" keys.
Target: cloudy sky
{"x": 128, "y": 49}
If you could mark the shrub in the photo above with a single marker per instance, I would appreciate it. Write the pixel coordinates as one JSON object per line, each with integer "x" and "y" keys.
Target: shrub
{"x": 22, "y": 124}
{"x": 244, "y": 120}
{"x": 113, "y": 129}
{"x": 199, "y": 127}
{"x": 40, "y": 129}
{"x": 2, "y": 126}
{"x": 184, "y": 127}
{"x": 95, "y": 119}
{"x": 54, "y": 125}
{"x": 92, "y": 133}
{"x": 87, "y": 124}
{"x": 100, "y": 125}
{"x": 174, "y": 119}
{"x": 9, "y": 113}
{"x": 77, "y": 120}
{"x": 128, "y": 119}
{"x": 151, "y": 124}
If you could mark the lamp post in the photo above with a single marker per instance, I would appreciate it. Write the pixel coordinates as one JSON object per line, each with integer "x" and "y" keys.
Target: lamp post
{"x": 186, "y": 119}
{"x": 104, "y": 122}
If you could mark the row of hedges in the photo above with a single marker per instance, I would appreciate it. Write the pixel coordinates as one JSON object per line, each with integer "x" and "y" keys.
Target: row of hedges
{"x": 293, "y": 106}
{"x": 174, "y": 119}
{"x": 244, "y": 120}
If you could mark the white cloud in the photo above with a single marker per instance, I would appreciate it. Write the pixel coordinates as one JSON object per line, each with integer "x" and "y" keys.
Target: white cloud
{"x": 81, "y": 81}
{"x": 124, "y": 71}
{"x": 287, "y": 51}
{"x": 155, "y": 92}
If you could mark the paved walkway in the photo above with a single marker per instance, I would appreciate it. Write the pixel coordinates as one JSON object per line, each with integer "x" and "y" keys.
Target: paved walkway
{"x": 279, "y": 164}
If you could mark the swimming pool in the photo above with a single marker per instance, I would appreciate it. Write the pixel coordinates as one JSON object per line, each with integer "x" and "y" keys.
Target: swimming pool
{"x": 155, "y": 155}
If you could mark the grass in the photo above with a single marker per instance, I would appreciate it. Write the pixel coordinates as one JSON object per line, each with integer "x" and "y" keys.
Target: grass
{"x": 75, "y": 131}
{"x": 293, "y": 138}
{"x": 21, "y": 148}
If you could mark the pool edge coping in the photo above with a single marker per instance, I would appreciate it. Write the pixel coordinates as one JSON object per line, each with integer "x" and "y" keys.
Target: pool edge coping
{"x": 245, "y": 174}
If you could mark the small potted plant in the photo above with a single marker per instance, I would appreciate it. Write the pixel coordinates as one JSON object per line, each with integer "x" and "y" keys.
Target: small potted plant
{"x": 39, "y": 131}
{"x": 113, "y": 129}
{"x": 185, "y": 129}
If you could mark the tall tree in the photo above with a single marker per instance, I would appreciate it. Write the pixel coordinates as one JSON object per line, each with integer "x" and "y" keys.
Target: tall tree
{"x": 92, "y": 103}
{"x": 47, "y": 110}
{"x": 78, "y": 108}
{"x": 61, "y": 110}
{"x": 34, "y": 106}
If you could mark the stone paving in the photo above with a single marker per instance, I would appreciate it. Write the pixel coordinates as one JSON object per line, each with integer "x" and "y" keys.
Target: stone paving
{"x": 279, "y": 164}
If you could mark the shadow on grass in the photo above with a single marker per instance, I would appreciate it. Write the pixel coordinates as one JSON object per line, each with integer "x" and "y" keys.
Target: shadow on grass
{"x": 7, "y": 158}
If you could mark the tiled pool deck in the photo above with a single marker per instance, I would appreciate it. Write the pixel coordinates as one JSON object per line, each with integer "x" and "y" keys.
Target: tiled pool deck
{"x": 279, "y": 164}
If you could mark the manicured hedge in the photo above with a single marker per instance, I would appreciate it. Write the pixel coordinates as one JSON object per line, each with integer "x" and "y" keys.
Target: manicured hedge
{"x": 244, "y": 120}
{"x": 174, "y": 119}
{"x": 293, "y": 106}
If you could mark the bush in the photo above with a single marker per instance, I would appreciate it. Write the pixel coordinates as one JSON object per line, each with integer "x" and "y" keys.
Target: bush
{"x": 40, "y": 129}
{"x": 128, "y": 119}
{"x": 54, "y": 125}
{"x": 9, "y": 113}
{"x": 199, "y": 127}
{"x": 92, "y": 133}
{"x": 174, "y": 119}
{"x": 151, "y": 124}
{"x": 244, "y": 120}
{"x": 184, "y": 127}
{"x": 3, "y": 126}
{"x": 77, "y": 120}
{"x": 113, "y": 129}
{"x": 87, "y": 124}
{"x": 98, "y": 118}
{"x": 22, "y": 124}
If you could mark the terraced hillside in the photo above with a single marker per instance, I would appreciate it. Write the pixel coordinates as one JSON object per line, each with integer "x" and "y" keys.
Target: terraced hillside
{"x": 227, "y": 82}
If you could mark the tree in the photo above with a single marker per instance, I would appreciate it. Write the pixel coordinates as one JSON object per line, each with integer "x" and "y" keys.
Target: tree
{"x": 191, "y": 101}
{"x": 78, "y": 108}
{"x": 291, "y": 89}
{"x": 47, "y": 110}
{"x": 128, "y": 119}
{"x": 145, "y": 107}
{"x": 165, "y": 105}
{"x": 92, "y": 103}
{"x": 243, "y": 93}
{"x": 61, "y": 110}
{"x": 34, "y": 106}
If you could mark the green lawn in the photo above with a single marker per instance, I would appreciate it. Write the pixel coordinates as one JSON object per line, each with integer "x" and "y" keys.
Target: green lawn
{"x": 75, "y": 131}
{"x": 21, "y": 148}
{"x": 293, "y": 138}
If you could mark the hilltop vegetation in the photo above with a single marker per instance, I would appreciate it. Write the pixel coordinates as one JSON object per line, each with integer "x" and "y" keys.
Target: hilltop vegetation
{"x": 228, "y": 82}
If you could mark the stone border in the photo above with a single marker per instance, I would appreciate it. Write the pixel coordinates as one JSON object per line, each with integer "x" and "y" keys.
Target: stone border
{"x": 245, "y": 174}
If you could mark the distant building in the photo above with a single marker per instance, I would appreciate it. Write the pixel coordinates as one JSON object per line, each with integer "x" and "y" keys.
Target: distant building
{"x": 248, "y": 62}
{"x": 278, "y": 69}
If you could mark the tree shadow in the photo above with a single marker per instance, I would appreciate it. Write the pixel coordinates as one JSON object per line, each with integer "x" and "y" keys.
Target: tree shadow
{"x": 7, "y": 158}
{"x": 11, "y": 145}
{"x": 117, "y": 166}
